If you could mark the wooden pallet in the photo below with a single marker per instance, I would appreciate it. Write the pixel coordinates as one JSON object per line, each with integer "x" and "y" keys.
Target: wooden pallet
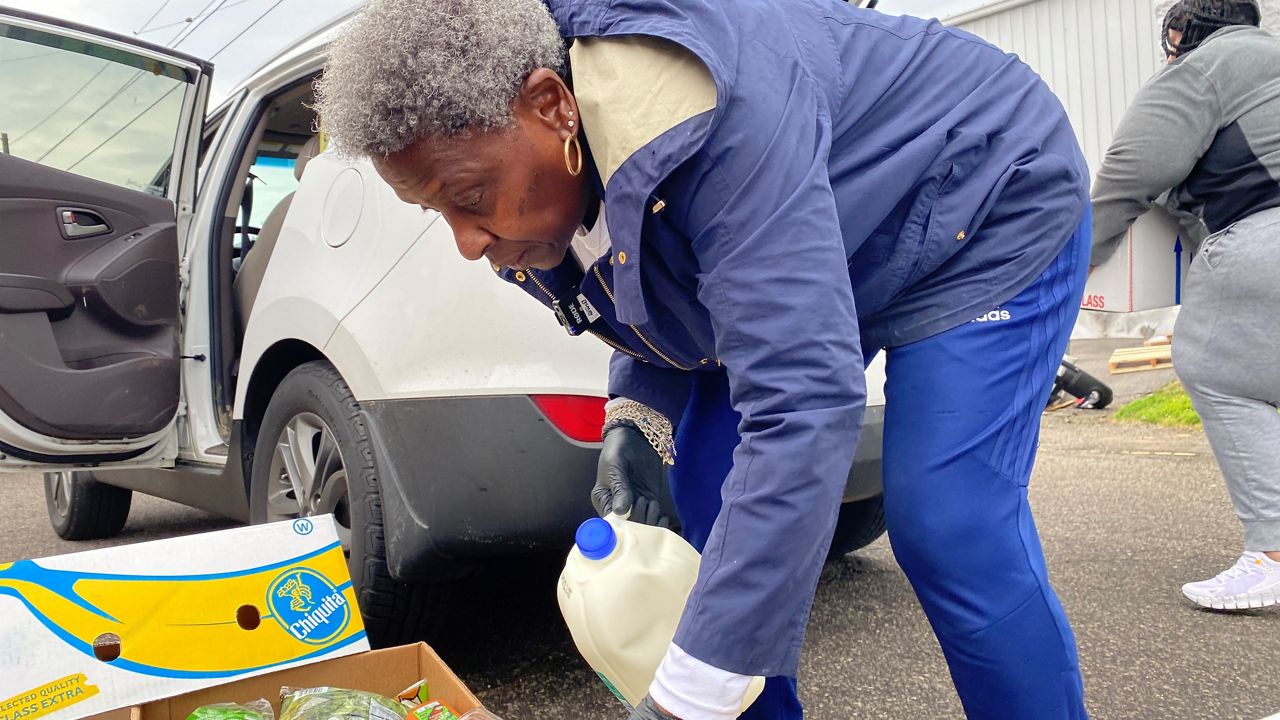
{"x": 1139, "y": 359}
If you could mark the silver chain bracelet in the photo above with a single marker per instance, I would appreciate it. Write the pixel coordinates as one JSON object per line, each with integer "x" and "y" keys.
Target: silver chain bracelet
{"x": 653, "y": 424}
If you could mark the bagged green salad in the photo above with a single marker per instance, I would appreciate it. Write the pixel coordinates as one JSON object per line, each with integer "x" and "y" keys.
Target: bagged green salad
{"x": 325, "y": 703}
{"x": 256, "y": 710}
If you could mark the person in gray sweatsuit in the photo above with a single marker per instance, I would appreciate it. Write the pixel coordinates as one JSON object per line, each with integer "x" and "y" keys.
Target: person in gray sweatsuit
{"x": 1206, "y": 129}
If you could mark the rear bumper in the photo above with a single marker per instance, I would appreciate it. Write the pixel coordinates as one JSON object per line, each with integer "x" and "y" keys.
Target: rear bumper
{"x": 466, "y": 478}
{"x": 473, "y": 477}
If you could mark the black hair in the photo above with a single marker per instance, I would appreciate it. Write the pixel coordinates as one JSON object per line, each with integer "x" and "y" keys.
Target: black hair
{"x": 1198, "y": 19}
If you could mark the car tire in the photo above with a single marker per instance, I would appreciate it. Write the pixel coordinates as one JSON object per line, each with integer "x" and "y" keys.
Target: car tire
{"x": 861, "y": 522}
{"x": 314, "y": 400}
{"x": 81, "y": 508}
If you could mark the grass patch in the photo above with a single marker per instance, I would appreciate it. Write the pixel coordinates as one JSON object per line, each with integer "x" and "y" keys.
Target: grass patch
{"x": 1168, "y": 406}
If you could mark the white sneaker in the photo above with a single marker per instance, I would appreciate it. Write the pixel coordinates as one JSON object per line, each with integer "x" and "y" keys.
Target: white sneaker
{"x": 1253, "y": 582}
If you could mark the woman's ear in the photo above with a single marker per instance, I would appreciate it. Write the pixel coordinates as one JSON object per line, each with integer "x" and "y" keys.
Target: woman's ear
{"x": 546, "y": 99}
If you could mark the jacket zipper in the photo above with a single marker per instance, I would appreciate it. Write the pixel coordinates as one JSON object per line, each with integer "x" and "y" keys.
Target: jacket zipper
{"x": 606, "y": 340}
{"x": 639, "y": 334}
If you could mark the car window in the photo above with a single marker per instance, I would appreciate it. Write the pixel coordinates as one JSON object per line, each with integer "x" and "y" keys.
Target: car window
{"x": 274, "y": 180}
{"x": 94, "y": 110}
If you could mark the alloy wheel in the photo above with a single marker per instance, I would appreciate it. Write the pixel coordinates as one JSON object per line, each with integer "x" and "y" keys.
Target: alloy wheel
{"x": 308, "y": 475}
{"x": 59, "y": 489}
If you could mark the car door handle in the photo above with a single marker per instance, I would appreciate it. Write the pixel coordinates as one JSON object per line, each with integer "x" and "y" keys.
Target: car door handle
{"x": 80, "y": 223}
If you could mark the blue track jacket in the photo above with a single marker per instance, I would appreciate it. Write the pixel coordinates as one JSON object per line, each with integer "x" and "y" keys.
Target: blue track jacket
{"x": 796, "y": 182}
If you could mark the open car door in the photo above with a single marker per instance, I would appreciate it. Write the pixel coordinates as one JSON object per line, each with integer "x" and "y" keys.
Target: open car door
{"x": 98, "y": 138}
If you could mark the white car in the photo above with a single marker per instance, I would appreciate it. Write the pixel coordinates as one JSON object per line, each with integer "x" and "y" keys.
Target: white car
{"x": 180, "y": 316}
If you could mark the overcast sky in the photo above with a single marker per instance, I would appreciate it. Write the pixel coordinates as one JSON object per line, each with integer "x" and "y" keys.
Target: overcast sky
{"x": 282, "y": 22}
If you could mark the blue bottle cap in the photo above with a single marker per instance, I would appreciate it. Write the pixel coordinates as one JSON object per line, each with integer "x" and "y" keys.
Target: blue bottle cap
{"x": 596, "y": 539}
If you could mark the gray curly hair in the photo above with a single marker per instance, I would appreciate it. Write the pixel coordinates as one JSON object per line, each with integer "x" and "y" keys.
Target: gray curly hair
{"x": 408, "y": 68}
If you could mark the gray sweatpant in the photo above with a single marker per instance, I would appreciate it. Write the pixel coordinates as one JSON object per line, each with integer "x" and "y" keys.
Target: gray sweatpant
{"x": 1226, "y": 350}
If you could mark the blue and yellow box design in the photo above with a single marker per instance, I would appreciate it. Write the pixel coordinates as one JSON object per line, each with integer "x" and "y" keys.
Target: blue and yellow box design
{"x": 93, "y": 631}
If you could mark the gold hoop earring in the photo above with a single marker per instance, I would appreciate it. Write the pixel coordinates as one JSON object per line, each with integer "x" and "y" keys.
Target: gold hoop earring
{"x": 574, "y": 164}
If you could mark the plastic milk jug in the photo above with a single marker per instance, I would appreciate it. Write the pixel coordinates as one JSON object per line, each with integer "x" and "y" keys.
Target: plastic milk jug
{"x": 622, "y": 592}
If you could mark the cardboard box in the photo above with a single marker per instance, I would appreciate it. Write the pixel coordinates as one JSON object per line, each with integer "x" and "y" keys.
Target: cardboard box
{"x": 98, "y": 630}
{"x": 1146, "y": 272}
{"x": 385, "y": 672}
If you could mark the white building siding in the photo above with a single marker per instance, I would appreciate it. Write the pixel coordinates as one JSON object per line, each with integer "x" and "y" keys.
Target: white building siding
{"x": 1094, "y": 54}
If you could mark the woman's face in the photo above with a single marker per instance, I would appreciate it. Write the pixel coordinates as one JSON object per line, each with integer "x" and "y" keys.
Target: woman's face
{"x": 506, "y": 194}
{"x": 1175, "y": 37}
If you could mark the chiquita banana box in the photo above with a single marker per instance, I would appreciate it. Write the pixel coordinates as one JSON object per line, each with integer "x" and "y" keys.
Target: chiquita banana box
{"x": 98, "y": 630}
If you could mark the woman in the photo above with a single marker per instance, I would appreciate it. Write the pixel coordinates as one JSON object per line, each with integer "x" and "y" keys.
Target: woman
{"x": 1205, "y": 128}
{"x": 748, "y": 201}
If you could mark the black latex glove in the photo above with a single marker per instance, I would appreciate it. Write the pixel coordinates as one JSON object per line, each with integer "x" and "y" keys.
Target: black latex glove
{"x": 631, "y": 477}
{"x": 648, "y": 710}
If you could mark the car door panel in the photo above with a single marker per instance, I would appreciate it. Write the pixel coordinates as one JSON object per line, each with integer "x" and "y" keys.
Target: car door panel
{"x": 131, "y": 283}
{"x": 104, "y": 366}
{"x": 28, "y": 293}
{"x": 99, "y": 160}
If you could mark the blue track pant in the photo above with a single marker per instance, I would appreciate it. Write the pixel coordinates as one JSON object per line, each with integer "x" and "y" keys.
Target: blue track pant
{"x": 962, "y": 419}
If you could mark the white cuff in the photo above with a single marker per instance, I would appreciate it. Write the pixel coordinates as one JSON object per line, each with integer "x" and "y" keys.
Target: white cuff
{"x": 616, "y": 402}
{"x": 693, "y": 690}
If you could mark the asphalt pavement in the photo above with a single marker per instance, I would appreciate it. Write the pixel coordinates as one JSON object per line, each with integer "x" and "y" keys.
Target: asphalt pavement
{"x": 1127, "y": 514}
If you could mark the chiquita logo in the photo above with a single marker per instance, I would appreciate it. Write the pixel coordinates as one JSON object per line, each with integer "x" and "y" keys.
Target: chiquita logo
{"x": 308, "y": 606}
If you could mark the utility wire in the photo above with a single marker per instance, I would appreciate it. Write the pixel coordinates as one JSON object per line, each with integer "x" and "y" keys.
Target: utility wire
{"x": 28, "y": 57}
{"x": 119, "y": 91}
{"x": 246, "y": 29}
{"x": 106, "y": 64}
{"x": 88, "y": 82}
{"x": 187, "y": 21}
{"x": 180, "y": 38}
{"x": 153, "y": 17}
{"x": 137, "y": 117}
{"x": 124, "y": 127}
{"x": 174, "y": 42}
{"x": 166, "y": 26}
{"x": 177, "y": 39}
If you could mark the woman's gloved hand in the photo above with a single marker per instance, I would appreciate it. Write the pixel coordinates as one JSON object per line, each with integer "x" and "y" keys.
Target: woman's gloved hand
{"x": 631, "y": 477}
{"x": 649, "y": 710}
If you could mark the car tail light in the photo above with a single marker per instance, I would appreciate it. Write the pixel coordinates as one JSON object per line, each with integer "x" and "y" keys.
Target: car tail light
{"x": 578, "y": 416}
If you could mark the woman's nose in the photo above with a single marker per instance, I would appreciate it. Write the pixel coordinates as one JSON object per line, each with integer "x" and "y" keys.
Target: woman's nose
{"x": 472, "y": 240}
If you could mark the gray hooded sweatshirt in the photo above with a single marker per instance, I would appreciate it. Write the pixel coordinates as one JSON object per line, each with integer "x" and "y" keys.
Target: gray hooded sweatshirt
{"x": 1207, "y": 127}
